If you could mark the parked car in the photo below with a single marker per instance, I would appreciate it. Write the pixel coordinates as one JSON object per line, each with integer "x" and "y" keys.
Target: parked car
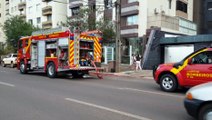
{"x": 193, "y": 70}
{"x": 10, "y": 59}
{"x": 198, "y": 102}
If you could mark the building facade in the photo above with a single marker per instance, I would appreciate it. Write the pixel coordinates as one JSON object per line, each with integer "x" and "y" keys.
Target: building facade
{"x": 202, "y": 16}
{"x": 44, "y": 14}
{"x": 137, "y": 16}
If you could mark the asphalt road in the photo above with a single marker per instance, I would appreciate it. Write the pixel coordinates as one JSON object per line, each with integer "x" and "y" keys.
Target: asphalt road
{"x": 37, "y": 97}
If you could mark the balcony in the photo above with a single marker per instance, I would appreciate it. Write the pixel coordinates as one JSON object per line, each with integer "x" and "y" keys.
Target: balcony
{"x": 21, "y": 6}
{"x": 47, "y": 25}
{"x": 163, "y": 21}
{"x": 172, "y": 24}
{"x": 47, "y": 10}
{"x": 130, "y": 9}
{"x": 129, "y": 31}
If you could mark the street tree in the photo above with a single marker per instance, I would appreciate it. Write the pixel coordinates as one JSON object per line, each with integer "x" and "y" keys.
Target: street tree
{"x": 85, "y": 19}
{"x": 14, "y": 28}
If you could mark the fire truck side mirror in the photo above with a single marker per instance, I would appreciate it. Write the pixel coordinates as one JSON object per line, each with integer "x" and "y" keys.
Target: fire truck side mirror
{"x": 190, "y": 61}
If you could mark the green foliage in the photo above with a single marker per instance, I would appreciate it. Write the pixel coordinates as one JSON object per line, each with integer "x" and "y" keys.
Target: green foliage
{"x": 85, "y": 21}
{"x": 14, "y": 28}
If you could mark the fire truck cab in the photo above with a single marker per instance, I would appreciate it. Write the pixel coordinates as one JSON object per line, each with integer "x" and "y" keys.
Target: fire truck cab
{"x": 59, "y": 50}
{"x": 193, "y": 70}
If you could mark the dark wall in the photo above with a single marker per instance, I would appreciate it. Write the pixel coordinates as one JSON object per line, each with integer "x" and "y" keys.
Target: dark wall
{"x": 198, "y": 46}
{"x": 206, "y": 17}
{"x": 154, "y": 56}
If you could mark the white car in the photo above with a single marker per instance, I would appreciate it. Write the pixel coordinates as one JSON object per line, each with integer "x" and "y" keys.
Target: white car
{"x": 10, "y": 59}
{"x": 198, "y": 101}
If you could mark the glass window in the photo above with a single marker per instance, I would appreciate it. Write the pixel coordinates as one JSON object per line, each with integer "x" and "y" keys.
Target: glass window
{"x": 49, "y": 17}
{"x": 38, "y": 8}
{"x": 30, "y": 9}
{"x": 182, "y": 6}
{"x": 75, "y": 11}
{"x": 132, "y": 20}
{"x": 30, "y": 21}
{"x": 203, "y": 58}
{"x": 38, "y": 20}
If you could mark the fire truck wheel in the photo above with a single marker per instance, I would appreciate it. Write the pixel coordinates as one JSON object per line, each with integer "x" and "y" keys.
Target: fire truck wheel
{"x": 168, "y": 83}
{"x": 51, "y": 71}
{"x": 23, "y": 69}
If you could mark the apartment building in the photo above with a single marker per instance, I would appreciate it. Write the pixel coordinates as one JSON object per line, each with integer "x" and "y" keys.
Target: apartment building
{"x": 3, "y": 5}
{"x": 175, "y": 17}
{"x": 203, "y": 16}
{"x": 46, "y": 14}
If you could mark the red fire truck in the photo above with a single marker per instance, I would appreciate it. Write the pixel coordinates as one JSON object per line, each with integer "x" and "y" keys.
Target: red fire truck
{"x": 59, "y": 50}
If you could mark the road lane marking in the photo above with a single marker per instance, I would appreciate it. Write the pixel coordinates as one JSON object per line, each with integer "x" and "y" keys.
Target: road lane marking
{"x": 108, "y": 109}
{"x": 151, "y": 92}
{"x": 7, "y": 84}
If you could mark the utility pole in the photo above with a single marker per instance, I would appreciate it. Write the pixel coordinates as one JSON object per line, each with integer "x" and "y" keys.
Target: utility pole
{"x": 118, "y": 35}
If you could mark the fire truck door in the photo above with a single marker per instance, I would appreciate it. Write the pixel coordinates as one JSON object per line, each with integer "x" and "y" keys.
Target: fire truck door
{"x": 41, "y": 53}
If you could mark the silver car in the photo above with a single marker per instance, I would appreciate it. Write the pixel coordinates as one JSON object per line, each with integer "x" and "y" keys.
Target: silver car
{"x": 198, "y": 101}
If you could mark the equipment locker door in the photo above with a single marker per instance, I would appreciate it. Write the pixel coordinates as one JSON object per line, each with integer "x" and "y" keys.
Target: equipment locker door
{"x": 41, "y": 53}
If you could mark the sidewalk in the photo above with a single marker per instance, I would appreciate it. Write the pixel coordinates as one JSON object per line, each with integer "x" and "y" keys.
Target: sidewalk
{"x": 147, "y": 74}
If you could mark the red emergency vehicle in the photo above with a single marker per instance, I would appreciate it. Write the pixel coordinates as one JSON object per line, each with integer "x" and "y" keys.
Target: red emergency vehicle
{"x": 195, "y": 69}
{"x": 59, "y": 50}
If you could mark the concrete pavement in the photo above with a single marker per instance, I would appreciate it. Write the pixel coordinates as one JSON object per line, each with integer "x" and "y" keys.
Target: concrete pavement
{"x": 146, "y": 74}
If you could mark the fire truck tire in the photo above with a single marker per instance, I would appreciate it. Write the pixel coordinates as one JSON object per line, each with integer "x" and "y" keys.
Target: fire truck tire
{"x": 168, "y": 83}
{"x": 23, "y": 69}
{"x": 51, "y": 70}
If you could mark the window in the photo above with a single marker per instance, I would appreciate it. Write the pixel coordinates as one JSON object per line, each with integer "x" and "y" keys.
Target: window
{"x": 182, "y": 6}
{"x": 12, "y": 9}
{"x": 30, "y": 9}
{"x": 75, "y": 11}
{"x": 0, "y": 14}
{"x": 30, "y": 21}
{"x": 49, "y": 17}
{"x": 38, "y": 20}
{"x": 170, "y": 4}
{"x": 38, "y": 8}
{"x": 132, "y": 20}
{"x": 203, "y": 58}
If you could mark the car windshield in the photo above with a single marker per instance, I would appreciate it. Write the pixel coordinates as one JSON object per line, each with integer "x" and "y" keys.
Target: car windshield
{"x": 14, "y": 55}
